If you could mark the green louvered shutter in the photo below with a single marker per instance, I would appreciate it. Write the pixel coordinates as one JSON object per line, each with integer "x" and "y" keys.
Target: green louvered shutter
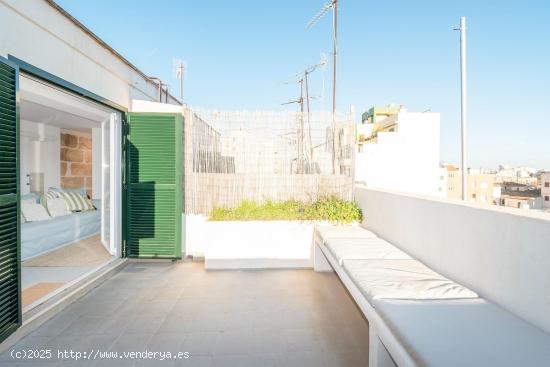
{"x": 10, "y": 263}
{"x": 154, "y": 185}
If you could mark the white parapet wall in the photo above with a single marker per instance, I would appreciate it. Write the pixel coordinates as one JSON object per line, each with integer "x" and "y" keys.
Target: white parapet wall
{"x": 501, "y": 253}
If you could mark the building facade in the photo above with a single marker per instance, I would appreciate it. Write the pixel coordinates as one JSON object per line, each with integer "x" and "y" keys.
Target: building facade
{"x": 545, "y": 189}
{"x": 481, "y": 186}
{"x": 521, "y": 196}
{"x": 399, "y": 150}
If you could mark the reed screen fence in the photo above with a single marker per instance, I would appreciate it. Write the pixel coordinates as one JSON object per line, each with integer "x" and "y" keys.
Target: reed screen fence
{"x": 263, "y": 155}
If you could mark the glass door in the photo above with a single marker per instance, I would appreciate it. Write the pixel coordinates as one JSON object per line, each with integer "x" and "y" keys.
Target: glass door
{"x": 110, "y": 181}
{"x": 106, "y": 184}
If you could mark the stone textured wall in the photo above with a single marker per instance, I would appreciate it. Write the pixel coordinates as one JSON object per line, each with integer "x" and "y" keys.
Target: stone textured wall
{"x": 76, "y": 160}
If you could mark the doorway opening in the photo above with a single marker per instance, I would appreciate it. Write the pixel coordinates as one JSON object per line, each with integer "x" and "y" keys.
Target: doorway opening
{"x": 70, "y": 164}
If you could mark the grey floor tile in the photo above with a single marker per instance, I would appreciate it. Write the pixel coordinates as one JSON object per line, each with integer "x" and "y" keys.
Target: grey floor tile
{"x": 131, "y": 342}
{"x": 233, "y": 342}
{"x": 267, "y": 341}
{"x": 200, "y": 343}
{"x": 84, "y": 325}
{"x": 205, "y": 321}
{"x": 145, "y": 324}
{"x": 244, "y": 360}
{"x": 166, "y": 342}
{"x": 348, "y": 358}
{"x": 303, "y": 359}
{"x": 195, "y": 361}
{"x": 226, "y": 318}
{"x": 299, "y": 340}
{"x": 176, "y": 323}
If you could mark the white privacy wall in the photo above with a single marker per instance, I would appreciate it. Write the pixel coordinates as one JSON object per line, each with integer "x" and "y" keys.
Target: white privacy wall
{"x": 501, "y": 253}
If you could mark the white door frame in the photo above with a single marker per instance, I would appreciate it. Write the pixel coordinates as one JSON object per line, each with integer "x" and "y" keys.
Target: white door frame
{"x": 113, "y": 185}
{"x": 116, "y": 184}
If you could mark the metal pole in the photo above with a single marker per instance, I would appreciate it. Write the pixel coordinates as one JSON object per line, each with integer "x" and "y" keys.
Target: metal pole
{"x": 308, "y": 118}
{"x": 335, "y": 31}
{"x": 301, "y": 134}
{"x": 160, "y": 91}
{"x": 181, "y": 81}
{"x": 463, "y": 104}
{"x": 335, "y": 40}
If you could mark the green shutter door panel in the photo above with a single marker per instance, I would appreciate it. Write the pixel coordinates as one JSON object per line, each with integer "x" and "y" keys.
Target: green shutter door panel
{"x": 154, "y": 185}
{"x": 10, "y": 271}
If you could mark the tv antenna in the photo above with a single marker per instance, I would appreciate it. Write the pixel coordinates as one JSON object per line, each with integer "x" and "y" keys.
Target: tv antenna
{"x": 332, "y": 4}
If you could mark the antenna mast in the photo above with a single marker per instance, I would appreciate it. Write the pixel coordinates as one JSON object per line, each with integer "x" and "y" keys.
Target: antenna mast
{"x": 333, "y": 4}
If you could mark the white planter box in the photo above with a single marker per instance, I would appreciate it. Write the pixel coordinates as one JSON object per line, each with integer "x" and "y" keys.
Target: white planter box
{"x": 250, "y": 244}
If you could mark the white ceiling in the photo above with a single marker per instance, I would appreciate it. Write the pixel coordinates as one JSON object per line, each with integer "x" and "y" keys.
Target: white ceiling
{"x": 35, "y": 112}
{"x": 42, "y": 103}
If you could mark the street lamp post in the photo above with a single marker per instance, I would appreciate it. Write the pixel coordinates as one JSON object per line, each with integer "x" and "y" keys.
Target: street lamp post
{"x": 463, "y": 104}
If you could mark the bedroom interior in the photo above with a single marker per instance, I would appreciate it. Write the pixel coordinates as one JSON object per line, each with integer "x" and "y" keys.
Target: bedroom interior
{"x": 65, "y": 184}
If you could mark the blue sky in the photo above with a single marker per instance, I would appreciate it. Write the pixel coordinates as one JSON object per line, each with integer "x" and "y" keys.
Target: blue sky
{"x": 241, "y": 53}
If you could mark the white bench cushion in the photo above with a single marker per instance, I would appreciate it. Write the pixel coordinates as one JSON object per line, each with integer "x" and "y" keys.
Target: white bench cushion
{"x": 344, "y": 249}
{"x": 402, "y": 279}
{"x": 466, "y": 332}
{"x": 324, "y": 233}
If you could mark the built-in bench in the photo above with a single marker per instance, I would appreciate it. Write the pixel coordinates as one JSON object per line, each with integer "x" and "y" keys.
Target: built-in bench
{"x": 418, "y": 317}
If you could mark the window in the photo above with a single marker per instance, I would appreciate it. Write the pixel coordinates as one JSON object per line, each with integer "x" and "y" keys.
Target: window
{"x": 547, "y": 184}
{"x": 547, "y": 198}
{"x": 519, "y": 205}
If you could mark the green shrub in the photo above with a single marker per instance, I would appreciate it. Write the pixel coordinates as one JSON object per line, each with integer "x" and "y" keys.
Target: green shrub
{"x": 329, "y": 209}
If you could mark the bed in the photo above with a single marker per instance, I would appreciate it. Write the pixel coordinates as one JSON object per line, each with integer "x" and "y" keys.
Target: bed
{"x": 38, "y": 238}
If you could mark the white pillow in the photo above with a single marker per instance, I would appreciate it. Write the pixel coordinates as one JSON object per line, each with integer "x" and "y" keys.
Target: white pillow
{"x": 57, "y": 207}
{"x": 34, "y": 212}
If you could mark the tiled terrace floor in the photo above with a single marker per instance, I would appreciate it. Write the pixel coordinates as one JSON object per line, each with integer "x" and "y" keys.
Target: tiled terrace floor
{"x": 222, "y": 318}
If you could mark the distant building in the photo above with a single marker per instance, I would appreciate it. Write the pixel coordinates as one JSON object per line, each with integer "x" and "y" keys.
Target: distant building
{"x": 481, "y": 186}
{"x": 522, "y": 175}
{"x": 545, "y": 189}
{"x": 399, "y": 150}
{"x": 521, "y": 196}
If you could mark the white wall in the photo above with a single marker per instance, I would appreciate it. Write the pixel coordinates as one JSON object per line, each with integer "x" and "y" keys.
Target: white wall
{"x": 37, "y": 33}
{"x": 503, "y": 254}
{"x": 39, "y": 152}
{"x": 406, "y": 160}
